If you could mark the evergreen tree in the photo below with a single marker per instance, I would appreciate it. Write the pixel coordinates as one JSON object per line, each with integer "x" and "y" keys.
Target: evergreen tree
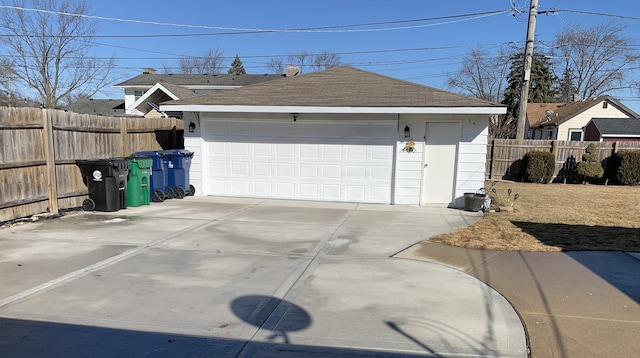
{"x": 237, "y": 68}
{"x": 566, "y": 88}
{"x": 542, "y": 87}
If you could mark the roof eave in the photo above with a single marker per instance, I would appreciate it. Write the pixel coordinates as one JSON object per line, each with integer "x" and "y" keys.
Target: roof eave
{"x": 313, "y": 109}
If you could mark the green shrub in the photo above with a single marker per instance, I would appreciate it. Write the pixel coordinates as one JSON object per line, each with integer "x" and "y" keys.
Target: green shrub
{"x": 539, "y": 166}
{"x": 590, "y": 168}
{"x": 629, "y": 167}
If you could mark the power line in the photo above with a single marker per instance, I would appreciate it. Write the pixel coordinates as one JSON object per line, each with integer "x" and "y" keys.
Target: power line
{"x": 240, "y": 30}
{"x": 553, "y": 11}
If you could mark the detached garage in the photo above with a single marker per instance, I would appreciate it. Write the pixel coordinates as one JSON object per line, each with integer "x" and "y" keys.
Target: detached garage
{"x": 338, "y": 135}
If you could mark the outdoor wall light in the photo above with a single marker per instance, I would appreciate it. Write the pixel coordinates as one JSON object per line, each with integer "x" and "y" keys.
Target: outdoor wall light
{"x": 294, "y": 116}
{"x": 192, "y": 127}
{"x": 407, "y": 132}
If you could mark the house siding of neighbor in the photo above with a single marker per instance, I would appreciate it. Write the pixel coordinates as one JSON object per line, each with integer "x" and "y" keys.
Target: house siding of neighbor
{"x": 567, "y": 121}
{"x": 338, "y": 135}
{"x": 613, "y": 130}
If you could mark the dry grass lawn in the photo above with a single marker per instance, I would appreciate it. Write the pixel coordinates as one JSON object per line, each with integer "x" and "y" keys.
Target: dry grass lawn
{"x": 556, "y": 217}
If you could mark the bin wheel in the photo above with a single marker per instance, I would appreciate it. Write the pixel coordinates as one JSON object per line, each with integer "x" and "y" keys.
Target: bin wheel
{"x": 88, "y": 205}
{"x": 192, "y": 190}
{"x": 157, "y": 196}
{"x": 170, "y": 194}
{"x": 180, "y": 192}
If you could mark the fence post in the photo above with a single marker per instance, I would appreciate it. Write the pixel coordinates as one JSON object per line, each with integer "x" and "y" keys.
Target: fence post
{"x": 493, "y": 145}
{"x": 124, "y": 143}
{"x": 615, "y": 148}
{"x": 50, "y": 158}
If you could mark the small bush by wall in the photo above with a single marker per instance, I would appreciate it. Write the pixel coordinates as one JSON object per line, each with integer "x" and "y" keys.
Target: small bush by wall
{"x": 539, "y": 166}
{"x": 628, "y": 163}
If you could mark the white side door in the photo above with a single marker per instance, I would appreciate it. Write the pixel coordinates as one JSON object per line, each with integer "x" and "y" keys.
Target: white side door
{"x": 440, "y": 158}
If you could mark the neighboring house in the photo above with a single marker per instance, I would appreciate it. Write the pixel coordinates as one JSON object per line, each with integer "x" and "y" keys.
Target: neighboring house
{"x": 539, "y": 113}
{"x": 147, "y": 105}
{"x": 100, "y": 107}
{"x": 566, "y": 122}
{"x": 613, "y": 130}
{"x": 338, "y": 135}
{"x": 136, "y": 87}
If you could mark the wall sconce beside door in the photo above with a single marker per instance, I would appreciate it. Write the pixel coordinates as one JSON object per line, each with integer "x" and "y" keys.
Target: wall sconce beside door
{"x": 192, "y": 127}
{"x": 407, "y": 132}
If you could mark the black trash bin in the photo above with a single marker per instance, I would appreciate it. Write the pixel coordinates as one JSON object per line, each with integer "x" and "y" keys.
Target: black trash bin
{"x": 106, "y": 180}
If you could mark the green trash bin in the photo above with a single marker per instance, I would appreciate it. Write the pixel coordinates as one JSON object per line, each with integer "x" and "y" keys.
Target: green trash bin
{"x": 138, "y": 189}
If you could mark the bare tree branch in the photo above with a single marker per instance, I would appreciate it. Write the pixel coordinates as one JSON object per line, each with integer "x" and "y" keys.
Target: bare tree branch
{"x": 597, "y": 58}
{"x": 51, "y": 51}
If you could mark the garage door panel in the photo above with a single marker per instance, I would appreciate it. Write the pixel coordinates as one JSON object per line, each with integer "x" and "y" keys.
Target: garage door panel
{"x": 263, "y": 169}
{"x": 311, "y": 161}
{"x": 308, "y": 190}
{"x": 285, "y": 190}
{"x": 331, "y": 151}
{"x": 309, "y": 151}
{"x": 331, "y": 192}
{"x": 240, "y": 168}
{"x": 285, "y": 170}
{"x": 239, "y": 149}
{"x": 309, "y": 171}
{"x": 240, "y": 187}
{"x": 285, "y": 150}
{"x": 379, "y": 152}
{"x": 262, "y": 188}
{"x": 355, "y": 192}
{"x": 357, "y": 152}
{"x": 262, "y": 150}
{"x": 218, "y": 168}
{"x": 330, "y": 171}
{"x": 356, "y": 172}
{"x": 380, "y": 173}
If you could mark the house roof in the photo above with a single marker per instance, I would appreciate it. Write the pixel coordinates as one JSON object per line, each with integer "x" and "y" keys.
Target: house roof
{"x": 536, "y": 112}
{"x": 161, "y": 92}
{"x": 617, "y": 126}
{"x": 150, "y": 79}
{"x": 100, "y": 107}
{"x": 344, "y": 87}
{"x": 567, "y": 111}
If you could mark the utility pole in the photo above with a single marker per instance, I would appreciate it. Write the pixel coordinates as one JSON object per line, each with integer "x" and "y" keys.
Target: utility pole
{"x": 528, "y": 59}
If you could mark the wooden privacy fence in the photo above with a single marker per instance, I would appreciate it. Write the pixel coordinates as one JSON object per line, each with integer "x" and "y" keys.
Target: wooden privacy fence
{"x": 39, "y": 149}
{"x": 504, "y": 155}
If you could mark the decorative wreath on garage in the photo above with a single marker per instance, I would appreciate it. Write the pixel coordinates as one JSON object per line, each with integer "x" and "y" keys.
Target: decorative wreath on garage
{"x": 409, "y": 147}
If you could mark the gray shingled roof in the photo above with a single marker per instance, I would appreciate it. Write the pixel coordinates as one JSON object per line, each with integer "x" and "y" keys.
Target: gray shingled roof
{"x": 100, "y": 107}
{"x": 617, "y": 125}
{"x": 149, "y": 79}
{"x": 180, "y": 91}
{"x": 337, "y": 87}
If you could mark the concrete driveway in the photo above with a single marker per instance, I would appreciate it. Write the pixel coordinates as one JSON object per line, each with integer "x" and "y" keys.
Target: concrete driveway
{"x": 229, "y": 277}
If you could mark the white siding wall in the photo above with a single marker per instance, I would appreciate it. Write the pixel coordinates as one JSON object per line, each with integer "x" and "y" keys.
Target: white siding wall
{"x": 193, "y": 142}
{"x": 408, "y": 186}
{"x": 472, "y": 156}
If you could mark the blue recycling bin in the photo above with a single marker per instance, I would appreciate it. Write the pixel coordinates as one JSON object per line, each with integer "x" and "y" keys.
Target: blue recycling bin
{"x": 159, "y": 188}
{"x": 178, "y": 163}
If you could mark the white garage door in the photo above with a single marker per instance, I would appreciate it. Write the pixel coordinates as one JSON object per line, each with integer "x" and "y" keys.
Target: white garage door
{"x": 332, "y": 161}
